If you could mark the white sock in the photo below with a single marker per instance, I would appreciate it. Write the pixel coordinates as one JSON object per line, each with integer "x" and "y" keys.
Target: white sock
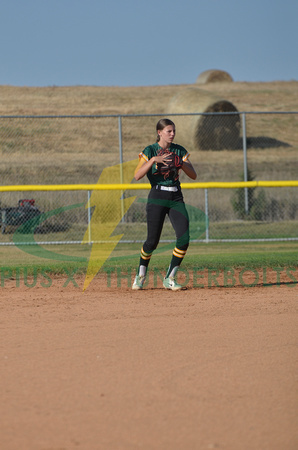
{"x": 142, "y": 271}
{"x": 173, "y": 272}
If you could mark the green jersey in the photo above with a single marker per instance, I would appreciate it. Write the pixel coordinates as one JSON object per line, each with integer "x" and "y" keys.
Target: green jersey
{"x": 153, "y": 175}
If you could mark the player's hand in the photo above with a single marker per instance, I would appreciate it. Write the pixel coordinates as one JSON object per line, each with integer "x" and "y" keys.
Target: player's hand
{"x": 163, "y": 159}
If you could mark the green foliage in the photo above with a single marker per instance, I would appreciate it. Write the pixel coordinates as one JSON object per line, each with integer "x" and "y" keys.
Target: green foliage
{"x": 258, "y": 207}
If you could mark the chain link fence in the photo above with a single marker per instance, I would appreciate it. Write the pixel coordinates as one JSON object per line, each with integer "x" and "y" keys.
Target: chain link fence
{"x": 224, "y": 147}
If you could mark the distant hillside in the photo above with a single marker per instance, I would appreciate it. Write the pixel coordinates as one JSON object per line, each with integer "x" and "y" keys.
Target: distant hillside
{"x": 273, "y": 96}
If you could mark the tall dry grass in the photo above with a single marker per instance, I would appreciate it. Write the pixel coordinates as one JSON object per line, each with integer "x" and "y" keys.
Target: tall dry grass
{"x": 50, "y": 151}
{"x": 271, "y": 96}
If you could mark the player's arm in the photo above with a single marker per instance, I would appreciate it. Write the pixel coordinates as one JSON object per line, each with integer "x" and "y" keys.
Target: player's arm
{"x": 188, "y": 168}
{"x": 143, "y": 167}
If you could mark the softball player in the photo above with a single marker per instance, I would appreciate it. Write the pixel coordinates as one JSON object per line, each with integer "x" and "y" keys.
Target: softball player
{"x": 161, "y": 163}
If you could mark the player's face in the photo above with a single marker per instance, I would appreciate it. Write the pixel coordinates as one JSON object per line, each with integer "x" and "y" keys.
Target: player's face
{"x": 167, "y": 135}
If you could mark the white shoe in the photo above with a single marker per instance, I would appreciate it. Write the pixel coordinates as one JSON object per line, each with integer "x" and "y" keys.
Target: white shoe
{"x": 170, "y": 283}
{"x": 139, "y": 282}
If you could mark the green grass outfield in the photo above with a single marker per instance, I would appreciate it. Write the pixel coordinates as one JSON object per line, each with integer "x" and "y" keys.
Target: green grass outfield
{"x": 59, "y": 259}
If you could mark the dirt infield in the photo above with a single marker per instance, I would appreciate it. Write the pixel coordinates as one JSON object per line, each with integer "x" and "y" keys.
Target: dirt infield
{"x": 111, "y": 368}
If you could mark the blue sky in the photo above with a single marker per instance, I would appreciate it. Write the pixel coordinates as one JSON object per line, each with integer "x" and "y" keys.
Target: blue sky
{"x": 145, "y": 43}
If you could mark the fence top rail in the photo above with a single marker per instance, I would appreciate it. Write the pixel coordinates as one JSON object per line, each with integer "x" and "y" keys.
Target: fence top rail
{"x": 140, "y": 186}
{"x": 97, "y": 116}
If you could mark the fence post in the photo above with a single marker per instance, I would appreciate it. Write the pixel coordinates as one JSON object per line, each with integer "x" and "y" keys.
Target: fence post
{"x": 121, "y": 165}
{"x": 206, "y": 216}
{"x": 89, "y": 218}
{"x": 120, "y": 147}
{"x": 244, "y": 140}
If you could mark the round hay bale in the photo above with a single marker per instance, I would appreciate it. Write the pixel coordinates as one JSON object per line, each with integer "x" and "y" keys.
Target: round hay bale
{"x": 202, "y": 130}
{"x": 214, "y": 76}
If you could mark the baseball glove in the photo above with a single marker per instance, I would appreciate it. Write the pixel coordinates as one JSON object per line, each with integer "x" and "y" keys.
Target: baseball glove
{"x": 173, "y": 164}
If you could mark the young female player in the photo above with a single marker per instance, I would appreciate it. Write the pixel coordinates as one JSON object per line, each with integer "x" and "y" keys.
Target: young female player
{"x": 161, "y": 163}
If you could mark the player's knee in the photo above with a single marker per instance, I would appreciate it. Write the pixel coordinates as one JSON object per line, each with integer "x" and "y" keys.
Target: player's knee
{"x": 183, "y": 242}
{"x": 150, "y": 246}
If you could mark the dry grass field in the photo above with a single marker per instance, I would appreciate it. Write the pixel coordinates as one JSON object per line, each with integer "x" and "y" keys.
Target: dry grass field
{"x": 59, "y": 151}
{"x": 76, "y": 150}
{"x": 55, "y": 144}
{"x": 52, "y": 100}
